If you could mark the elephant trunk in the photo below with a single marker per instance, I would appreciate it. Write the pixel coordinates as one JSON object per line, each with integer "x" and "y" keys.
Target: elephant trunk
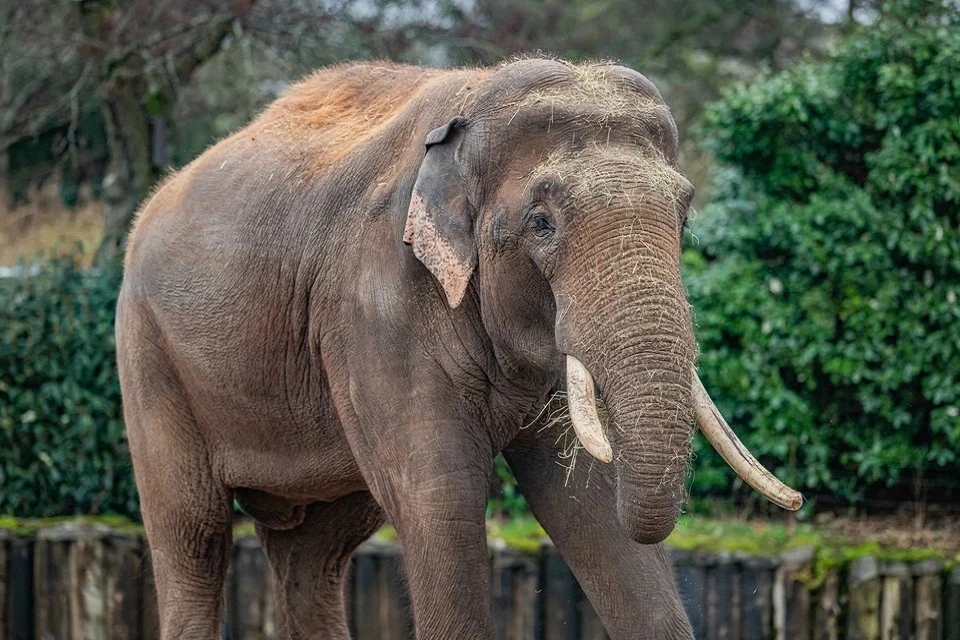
{"x": 653, "y": 396}
{"x": 647, "y": 378}
{"x": 648, "y": 402}
{"x": 643, "y": 367}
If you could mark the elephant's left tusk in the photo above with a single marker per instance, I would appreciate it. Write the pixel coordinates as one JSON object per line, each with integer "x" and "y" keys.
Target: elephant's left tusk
{"x": 583, "y": 411}
{"x": 728, "y": 445}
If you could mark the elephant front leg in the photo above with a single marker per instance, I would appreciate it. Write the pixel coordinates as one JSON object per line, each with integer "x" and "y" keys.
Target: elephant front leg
{"x": 435, "y": 496}
{"x": 443, "y": 535}
{"x": 631, "y": 585}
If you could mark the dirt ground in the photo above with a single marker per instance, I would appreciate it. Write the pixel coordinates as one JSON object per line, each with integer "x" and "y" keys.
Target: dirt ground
{"x": 905, "y": 530}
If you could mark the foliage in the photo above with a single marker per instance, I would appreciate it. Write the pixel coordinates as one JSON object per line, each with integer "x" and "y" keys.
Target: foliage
{"x": 62, "y": 446}
{"x": 506, "y": 501}
{"x": 827, "y": 274}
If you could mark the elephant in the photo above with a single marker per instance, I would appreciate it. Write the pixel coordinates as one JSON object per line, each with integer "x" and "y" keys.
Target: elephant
{"x": 339, "y": 315}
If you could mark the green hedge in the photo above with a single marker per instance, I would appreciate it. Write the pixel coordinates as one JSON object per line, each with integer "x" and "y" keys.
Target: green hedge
{"x": 826, "y": 280}
{"x": 62, "y": 446}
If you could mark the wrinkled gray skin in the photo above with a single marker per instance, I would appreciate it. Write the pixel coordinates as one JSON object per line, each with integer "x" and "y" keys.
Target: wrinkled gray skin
{"x": 337, "y": 327}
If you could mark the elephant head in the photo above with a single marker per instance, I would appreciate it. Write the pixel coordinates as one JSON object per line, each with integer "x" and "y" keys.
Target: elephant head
{"x": 556, "y": 190}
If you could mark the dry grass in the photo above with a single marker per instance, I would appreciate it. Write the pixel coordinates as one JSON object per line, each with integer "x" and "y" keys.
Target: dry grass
{"x": 555, "y": 416}
{"x": 620, "y": 177}
{"x": 44, "y": 226}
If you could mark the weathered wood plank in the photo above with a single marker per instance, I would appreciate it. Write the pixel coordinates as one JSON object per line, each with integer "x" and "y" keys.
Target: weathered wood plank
{"x": 20, "y": 602}
{"x": 863, "y": 615}
{"x": 365, "y": 595}
{"x": 52, "y": 584}
{"x": 928, "y": 609}
{"x": 88, "y": 601}
{"x": 896, "y": 602}
{"x": 723, "y": 600}
{"x": 692, "y": 583}
{"x": 250, "y": 576}
{"x": 380, "y": 602}
{"x": 791, "y": 598}
{"x": 560, "y": 593}
{"x": 951, "y": 606}
{"x": 5, "y": 538}
{"x": 398, "y": 618}
{"x": 149, "y": 613}
{"x": 269, "y": 606}
{"x": 826, "y": 612}
{"x": 756, "y": 597}
{"x": 122, "y": 570}
{"x": 515, "y": 599}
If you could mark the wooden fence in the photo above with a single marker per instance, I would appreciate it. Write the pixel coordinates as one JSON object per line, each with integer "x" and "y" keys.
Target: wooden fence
{"x": 89, "y": 582}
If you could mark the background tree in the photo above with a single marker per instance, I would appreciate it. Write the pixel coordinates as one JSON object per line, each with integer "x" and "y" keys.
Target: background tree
{"x": 827, "y": 275}
{"x": 126, "y": 57}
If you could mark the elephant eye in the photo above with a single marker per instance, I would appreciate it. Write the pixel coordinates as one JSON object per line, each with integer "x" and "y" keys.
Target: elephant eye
{"x": 541, "y": 225}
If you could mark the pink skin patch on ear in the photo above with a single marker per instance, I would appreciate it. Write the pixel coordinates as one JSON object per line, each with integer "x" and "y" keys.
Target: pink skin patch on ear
{"x": 435, "y": 252}
{"x": 418, "y": 209}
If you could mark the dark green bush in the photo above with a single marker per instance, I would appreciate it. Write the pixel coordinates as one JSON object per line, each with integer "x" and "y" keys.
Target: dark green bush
{"x": 827, "y": 275}
{"x": 62, "y": 446}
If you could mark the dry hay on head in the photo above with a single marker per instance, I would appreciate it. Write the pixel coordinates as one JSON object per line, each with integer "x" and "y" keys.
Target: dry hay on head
{"x": 595, "y": 87}
{"x": 617, "y": 173}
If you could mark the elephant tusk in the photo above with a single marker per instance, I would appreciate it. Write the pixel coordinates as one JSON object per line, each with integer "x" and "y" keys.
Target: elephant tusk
{"x": 583, "y": 411}
{"x": 728, "y": 445}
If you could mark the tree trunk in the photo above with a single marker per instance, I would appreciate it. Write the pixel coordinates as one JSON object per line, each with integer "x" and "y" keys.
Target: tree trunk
{"x": 130, "y": 172}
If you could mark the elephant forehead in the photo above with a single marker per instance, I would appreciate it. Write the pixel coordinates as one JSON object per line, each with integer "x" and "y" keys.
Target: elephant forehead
{"x": 621, "y": 175}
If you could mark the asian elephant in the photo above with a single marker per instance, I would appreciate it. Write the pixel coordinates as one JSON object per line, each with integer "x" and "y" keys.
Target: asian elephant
{"x": 340, "y": 314}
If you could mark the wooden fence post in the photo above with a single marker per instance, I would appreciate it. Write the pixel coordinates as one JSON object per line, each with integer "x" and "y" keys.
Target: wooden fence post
{"x": 249, "y": 596}
{"x": 756, "y": 597}
{"x": 951, "y": 606}
{"x": 723, "y": 599}
{"x": 5, "y": 540}
{"x": 124, "y": 591}
{"x": 929, "y": 618}
{"x": 86, "y": 584}
{"x": 364, "y": 605}
{"x": 692, "y": 583}
{"x": 514, "y": 581}
{"x": 52, "y": 584}
{"x": 560, "y": 593}
{"x": 826, "y": 613}
{"x": 19, "y": 606}
{"x": 149, "y": 613}
{"x": 896, "y": 602}
{"x": 87, "y": 595}
{"x": 791, "y": 598}
{"x": 381, "y": 607}
{"x": 863, "y": 617}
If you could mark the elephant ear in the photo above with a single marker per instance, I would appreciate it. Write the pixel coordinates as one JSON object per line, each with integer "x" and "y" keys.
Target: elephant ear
{"x": 440, "y": 219}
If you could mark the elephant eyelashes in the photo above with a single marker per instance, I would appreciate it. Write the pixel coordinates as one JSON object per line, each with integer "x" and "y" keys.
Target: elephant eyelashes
{"x": 541, "y": 225}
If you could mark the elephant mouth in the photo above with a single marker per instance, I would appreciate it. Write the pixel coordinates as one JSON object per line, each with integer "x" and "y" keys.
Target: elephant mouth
{"x": 586, "y": 422}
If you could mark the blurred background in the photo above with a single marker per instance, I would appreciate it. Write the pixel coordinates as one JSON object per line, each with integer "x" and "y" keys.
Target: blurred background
{"x": 822, "y": 263}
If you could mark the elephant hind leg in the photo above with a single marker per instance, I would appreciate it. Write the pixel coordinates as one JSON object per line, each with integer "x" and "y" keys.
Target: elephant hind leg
{"x": 187, "y": 513}
{"x": 310, "y": 562}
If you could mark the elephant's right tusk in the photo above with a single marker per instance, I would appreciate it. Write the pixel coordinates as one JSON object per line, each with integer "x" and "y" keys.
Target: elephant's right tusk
{"x": 728, "y": 445}
{"x": 583, "y": 411}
